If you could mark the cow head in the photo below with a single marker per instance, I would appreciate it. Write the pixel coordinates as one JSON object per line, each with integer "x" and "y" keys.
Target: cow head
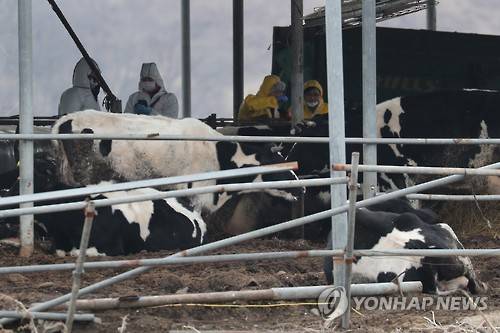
{"x": 252, "y": 204}
{"x": 234, "y": 155}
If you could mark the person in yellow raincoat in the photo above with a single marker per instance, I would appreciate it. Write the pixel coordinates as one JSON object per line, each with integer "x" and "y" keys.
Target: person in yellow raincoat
{"x": 263, "y": 105}
{"x": 314, "y": 104}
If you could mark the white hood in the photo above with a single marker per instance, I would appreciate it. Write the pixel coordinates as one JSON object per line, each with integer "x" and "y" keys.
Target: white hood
{"x": 81, "y": 74}
{"x": 150, "y": 70}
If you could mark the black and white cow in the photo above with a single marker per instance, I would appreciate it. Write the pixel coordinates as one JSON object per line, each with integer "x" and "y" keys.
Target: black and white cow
{"x": 448, "y": 114}
{"x": 84, "y": 162}
{"x": 153, "y": 225}
{"x": 382, "y": 230}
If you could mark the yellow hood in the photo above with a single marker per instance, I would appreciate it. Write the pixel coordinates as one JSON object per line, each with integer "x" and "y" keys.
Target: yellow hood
{"x": 267, "y": 85}
{"x": 315, "y": 84}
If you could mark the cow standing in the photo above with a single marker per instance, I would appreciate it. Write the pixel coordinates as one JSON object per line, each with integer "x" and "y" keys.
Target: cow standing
{"x": 450, "y": 114}
{"x": 84, "y": 162}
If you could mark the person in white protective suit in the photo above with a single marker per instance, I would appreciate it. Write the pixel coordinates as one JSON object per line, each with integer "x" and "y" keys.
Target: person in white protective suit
{"x": 83, "y": 94}
{"x": 152, "y": 98}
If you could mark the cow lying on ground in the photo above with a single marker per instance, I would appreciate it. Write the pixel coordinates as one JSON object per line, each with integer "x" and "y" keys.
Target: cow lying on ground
{"x": 382, "y": 230}
{"x": 153, "y": 225}
{"x": 84, "y": 162}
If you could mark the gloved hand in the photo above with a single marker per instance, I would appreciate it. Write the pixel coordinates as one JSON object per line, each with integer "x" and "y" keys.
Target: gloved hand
{"x": 282, "y": 99}
{"x": 299, "y": 127}
{"x": 142, "y": 109}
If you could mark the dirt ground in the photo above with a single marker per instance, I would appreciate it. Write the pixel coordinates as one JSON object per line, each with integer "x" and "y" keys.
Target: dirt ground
{"x": 238, "y": 316}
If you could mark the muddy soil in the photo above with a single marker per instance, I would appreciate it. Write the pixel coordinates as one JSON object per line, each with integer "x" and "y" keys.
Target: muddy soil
{"x": 260, "y": 316}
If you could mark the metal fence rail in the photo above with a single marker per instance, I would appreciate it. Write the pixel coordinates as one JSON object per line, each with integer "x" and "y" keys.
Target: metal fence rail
{"x": 454, "y": 197}
{"x": 246, "y": 138}
{"x": 242, "y": 257}
{"x": 419, "y": 170}
{"x": 173, "y": 194}
{"x": 94, "y": 189}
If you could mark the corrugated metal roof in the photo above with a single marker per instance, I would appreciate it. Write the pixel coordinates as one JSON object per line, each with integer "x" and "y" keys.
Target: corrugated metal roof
{"x": 351, "y": 11}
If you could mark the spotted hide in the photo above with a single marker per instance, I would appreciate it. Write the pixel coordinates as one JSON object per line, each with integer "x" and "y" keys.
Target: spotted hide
{"x": 164, "y": 224}
{"x": 451, "y": 114}
{"x": 85, "y": 162}
{"x": 382, "y": 230}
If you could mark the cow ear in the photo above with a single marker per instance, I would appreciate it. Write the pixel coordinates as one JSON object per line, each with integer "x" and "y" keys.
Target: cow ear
{"x": 276, "y": 149}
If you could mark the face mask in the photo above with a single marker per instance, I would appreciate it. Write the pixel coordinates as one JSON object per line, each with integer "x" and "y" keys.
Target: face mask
{"x": 148, "y": 86}
{"x": 312, "y": 104}
{"x": 93, "y": 83}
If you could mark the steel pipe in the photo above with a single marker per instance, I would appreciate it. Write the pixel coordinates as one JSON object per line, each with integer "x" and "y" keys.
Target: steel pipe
{"x": 83, "y": 191}
{"x": 247, "y": 138}
{"x": 297, "y": 55}
{"x": 336, "y": 129}
{"x": 26, "y": 227}
{"x": 170, "y": 194}
{"x": 242, "y": 257}
{"x": 431, "y": 15}
{"x": 419, "y": 170}
{"x": 45, "y": 315}
{"x": 454, "y": 197}
{"x": 369, "y": 83}
{"x": 186, "y": 57}
{"x": 353, "y": 191}
{"x": 238, "y": 56}
{"x": 275, "y": 294}
{"x": 77, "y": 273}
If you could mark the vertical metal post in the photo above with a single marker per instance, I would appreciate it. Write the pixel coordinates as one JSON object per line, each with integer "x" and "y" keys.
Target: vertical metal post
{"x": 333, "y": 12}
{"x": 353, "y": 193}
{"x": 238, "y": 68}
{"x": 369, "y": 95}
{"x": 77, "y": 273}
{"x": 186, "y": 58}
{"x": 25, "y": 120}
{"x": 431, "y": 15}
{"x": 297, "y": 77}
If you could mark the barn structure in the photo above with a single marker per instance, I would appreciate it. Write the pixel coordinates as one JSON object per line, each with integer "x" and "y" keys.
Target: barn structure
{"x": 334, "y": 80}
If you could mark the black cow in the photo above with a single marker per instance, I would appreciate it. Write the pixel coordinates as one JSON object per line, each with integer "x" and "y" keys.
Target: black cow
{"x": 382, "y": 230}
